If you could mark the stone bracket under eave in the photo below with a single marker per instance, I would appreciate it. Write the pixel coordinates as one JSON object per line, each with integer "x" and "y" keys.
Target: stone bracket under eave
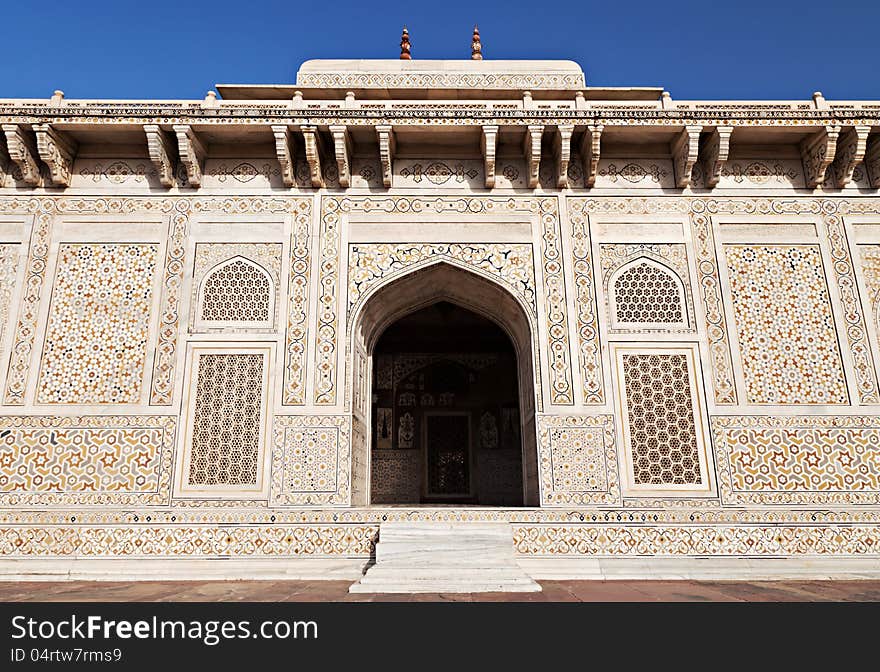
{"x": 284, "y": 150}
{"x": 343, "y": 152}
{"x": 387, "y": 149}
{"x": 313, "y": 154}
{"x": 817, "y": 154}
{"x": 714, "y": 152}
{"x": 685, "y": 150}
{"x": 562, "y": 153}
{"x": 488, "y": 146}
{"x": 5, "y": 162}
{"x": 22, "y": 152}
{"x": 851, "y": 146}
{"x": 192, "y": 153}
{"x": 591, "y": 146}
{"x": 532, "y": 152}
{"x": 161, "y": 152}
{"x": 872, "y": 162}
{"x": 57, "y": 151}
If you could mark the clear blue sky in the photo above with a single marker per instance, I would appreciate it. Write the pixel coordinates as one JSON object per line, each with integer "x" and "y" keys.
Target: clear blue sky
{"x": 162, "y": 49}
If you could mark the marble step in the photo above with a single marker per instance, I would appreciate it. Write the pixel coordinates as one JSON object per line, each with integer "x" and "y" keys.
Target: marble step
{"x": 445, "y": 558}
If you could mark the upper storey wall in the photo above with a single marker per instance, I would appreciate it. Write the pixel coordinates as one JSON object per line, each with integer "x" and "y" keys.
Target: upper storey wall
{"x": 472, "y": 125}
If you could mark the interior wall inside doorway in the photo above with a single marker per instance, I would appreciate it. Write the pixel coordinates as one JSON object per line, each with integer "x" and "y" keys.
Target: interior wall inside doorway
{"x": 446, "y": 417}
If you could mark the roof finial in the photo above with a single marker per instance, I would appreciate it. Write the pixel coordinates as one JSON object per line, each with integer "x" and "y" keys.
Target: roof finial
{"x": 476, "y": 47}
{"x": 405, "y": 46}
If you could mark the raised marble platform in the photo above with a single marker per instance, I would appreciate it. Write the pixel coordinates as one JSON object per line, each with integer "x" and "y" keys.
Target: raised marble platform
{"x": 445, "y": 558}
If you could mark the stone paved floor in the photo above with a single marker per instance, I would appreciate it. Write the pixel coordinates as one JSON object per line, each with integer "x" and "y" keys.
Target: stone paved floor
{"x": 337, "y": 591}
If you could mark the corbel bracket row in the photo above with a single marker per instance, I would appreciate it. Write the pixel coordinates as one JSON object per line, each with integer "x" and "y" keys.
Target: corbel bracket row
{"x": 872, "y": 162}
{"x": 852, "y": 144}
{"x": 488, "y": 146}
{"x": 284, "y": 150}
{"x": 192, "y": 153}
{"x": 817, "y": 154}
{"x": 22, "y": 152}
{"x": 387, "y": 149}
{"x": 342, "y": 150}
{"x": 532, "y": 152}
{"x": 685, "y": 150}
{"x": 562, "y": 153}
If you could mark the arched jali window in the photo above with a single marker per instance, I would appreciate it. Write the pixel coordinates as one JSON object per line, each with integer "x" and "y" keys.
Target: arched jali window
{"x": 645, "y": 294}
{"x": 237, "y": 293}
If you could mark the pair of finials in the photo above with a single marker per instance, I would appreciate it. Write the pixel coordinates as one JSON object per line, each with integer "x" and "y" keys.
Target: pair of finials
{"x": 406, "y": 47}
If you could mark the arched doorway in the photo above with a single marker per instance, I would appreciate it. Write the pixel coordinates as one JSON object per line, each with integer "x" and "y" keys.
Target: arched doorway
{"x": 445, "y": 391}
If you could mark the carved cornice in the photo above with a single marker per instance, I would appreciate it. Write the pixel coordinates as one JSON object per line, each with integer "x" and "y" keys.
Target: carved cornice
{"x": 488, "y": 143}
{"x": 192, "y": 154}
{"x": 715, "y": 152}
{"x": 161, "y": 153}
{"x": 872, "y": 162}
{"x": 342, "y": 150}
{"x": 532, "y": 151}
{"x": 851, "y": 146}
{"x": 685, "y": 149}
{"x": 22, "y": 154}
{"x": 284, "y": 150}
{"x": 57, "y": 151}
{"x": 817, "y": 154}
{"x": 313, "y": 154}
{"x": 562, "y": 153}
{"x": 590, "y": 151}
{"x": 387, "y": 149}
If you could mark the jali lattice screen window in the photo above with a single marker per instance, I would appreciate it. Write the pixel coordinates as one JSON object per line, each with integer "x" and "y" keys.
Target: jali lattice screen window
{"x": 237, "y": 293}
{"x": 663, "y": 418}
{"x": 647, "y": 294}
{"x": 227, "y": 419}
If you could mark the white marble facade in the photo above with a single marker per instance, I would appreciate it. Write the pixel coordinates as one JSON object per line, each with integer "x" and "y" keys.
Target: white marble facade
{"x": 190, "y": 292}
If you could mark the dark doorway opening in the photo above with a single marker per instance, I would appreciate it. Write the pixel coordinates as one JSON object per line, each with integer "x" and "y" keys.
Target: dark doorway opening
{"x": 446, "y": 417}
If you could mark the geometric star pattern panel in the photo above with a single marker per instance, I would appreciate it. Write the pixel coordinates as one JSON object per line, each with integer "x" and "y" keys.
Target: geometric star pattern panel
{"x": 578, "y": 460}
{"x": 871, "y": 272}
{"x": 98, "y": 324}
{"x": 226, "y": 421}
{"x": 88, "y": 460}
{"x": 798, "y": 460}
{"x": 313, "y": 467}
{"x": 663, "y": 437}
{"x": 8, "y": 268}
{"x": 786, "y": 330}
{"x": 311, "y": 460}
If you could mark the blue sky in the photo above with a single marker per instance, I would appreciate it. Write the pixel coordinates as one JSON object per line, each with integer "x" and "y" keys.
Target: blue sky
{"x": 160, "y": 49}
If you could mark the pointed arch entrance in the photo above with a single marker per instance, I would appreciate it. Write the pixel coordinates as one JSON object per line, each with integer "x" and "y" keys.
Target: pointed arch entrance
{"x": 444, "y": 392}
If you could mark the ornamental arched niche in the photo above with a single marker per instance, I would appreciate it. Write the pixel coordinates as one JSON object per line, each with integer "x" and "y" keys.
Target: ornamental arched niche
{"x": 437, "y": 282}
